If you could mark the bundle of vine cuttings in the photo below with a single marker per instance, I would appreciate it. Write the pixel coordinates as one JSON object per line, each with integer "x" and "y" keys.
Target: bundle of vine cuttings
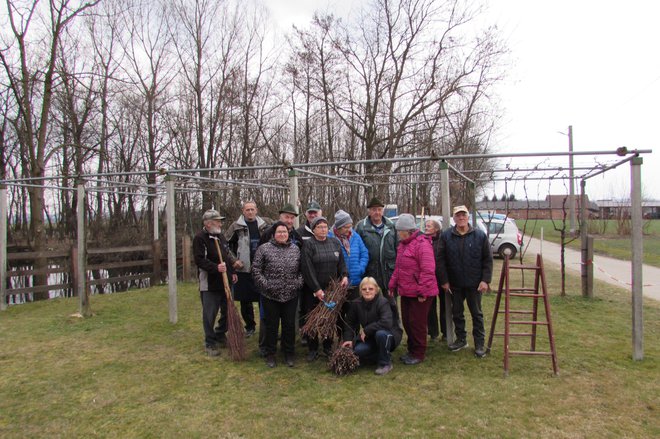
{"x": 343, "y": 361}
{"x": 322, "y": 320}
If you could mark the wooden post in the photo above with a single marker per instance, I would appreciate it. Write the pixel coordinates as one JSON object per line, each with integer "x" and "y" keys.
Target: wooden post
{"x": 3, "y": 247}
{"x": 73, "y": 268}
{"x": 171, "y": 250}
{"x": 186, "y": 256}
{"x": 81, "y": 265}
{"x": 590, "y": 267}
{"x": 637, "y": 253}
{"x": 156, "y": 271}
{"x": 587, "y": 250}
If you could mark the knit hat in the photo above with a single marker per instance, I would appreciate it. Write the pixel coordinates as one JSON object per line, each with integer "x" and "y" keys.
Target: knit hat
{"x": 318, "y": 220}
{"x": 313, "y": 206}
{"x": 375, "y": 202}
{"x": 341, "y": 219}
{"x": 406, "y": 222}
{"x": 460, "y": 208}
{"x": 289, "y": 208}
{"x": 212, "y": 214}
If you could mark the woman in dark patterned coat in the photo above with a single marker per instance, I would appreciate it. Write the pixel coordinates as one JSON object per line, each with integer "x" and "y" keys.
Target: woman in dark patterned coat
{"x": 276, "y": 272}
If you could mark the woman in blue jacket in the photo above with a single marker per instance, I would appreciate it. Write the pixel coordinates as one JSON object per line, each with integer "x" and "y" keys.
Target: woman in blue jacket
{"x": 356, "y": 254}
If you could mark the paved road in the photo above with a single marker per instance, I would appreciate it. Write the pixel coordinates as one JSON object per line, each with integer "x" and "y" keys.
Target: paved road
{"x": 613, "y": 271}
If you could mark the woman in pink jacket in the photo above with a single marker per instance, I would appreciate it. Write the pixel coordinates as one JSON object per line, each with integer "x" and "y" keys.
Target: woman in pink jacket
{"x": 414, "y": 280}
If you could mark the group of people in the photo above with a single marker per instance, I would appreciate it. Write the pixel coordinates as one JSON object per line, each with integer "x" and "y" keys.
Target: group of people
{"x": 288, "y": 271}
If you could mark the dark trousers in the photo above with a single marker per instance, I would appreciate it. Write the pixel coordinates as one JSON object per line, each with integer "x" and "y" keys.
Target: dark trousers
{"x": 377, "y": 348}
{"x": 473, "y": 298}
{"x": 247, "y": 312}
{"x": 434, "y": 329}
{"x": 414, "y": 315}
{"x": 310, "y": 302}
{"x": 212, "y": 301}
{"x": 274, "y": 313}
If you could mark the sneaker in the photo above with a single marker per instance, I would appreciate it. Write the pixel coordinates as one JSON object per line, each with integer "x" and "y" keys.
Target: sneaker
{"x": 249, "y": 333}
{"x": 312, "y": 356}
{"x": 480, "y": 351}
{"x": 212, "y": 351}
{"x": 411, "y": 361}
{"x": 404, "y": 357}
{"x": 288, "y": 359}
{"x": 458, "y": 345}
{"x": 382, "y": 370}
{"x": 270, "y": 361}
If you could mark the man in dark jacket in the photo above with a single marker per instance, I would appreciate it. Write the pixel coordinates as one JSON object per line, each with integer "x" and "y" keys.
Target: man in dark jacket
{"x": 465, "y": 272}
{"x": 288, "y": 214}
{"x": 211, "y": 286}
{"x": 380, "y": 238}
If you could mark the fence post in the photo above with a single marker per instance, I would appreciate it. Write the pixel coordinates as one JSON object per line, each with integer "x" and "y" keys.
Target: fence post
{"x": 446, "y": 223}
{"x": 587, "y": 267}
{"x": 81, "y": 275}
{"x": 73, "y": 269}
{"x": 3, "y": 247}
{"x": 186, "y": 256}
{"x": 171, "y": 250}
{"x": 156, "y": 265}
{"x": 637, "y": 253}
{"x": 293, "y": 193}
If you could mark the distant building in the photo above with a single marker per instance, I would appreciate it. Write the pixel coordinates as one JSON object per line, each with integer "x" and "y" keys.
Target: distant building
{"x": 552, "y": 207}
{"x": 621, "y": 209}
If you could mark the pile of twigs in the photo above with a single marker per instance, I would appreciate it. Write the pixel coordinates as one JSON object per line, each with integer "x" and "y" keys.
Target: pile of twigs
{"x": 343, "y": 361}
{"x": 322, "y": 320}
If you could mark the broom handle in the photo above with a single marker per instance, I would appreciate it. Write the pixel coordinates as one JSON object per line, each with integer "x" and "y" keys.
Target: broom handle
{"x": 225, "y": 279}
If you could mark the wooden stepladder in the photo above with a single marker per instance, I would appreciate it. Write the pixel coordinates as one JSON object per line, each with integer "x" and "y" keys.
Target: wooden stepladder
{"x": 529, "y": 318}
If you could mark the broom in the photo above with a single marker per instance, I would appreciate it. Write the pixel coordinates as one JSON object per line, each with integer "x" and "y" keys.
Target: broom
{"x": 322, "y": 320}
{"x": 235, "y": 336}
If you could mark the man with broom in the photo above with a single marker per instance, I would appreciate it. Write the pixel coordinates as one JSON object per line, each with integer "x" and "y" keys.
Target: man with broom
{"x": 210, "y": 270}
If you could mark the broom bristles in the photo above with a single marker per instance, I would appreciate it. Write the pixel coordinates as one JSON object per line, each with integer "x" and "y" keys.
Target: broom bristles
{"x": 322, "y": 321}
{"x": 235, "y": 335}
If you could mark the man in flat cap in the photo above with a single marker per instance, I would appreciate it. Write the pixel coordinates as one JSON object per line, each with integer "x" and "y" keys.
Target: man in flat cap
{"x": 211, "y": 287}
{"x": 313, "y": 210}
{"x": 465, "y": 271}
{"x": 288, "y": 214}
{"x": 380, "y": 238}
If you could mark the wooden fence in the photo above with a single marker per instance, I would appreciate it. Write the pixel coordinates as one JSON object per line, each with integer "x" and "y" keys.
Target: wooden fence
{"x": 107, "y": 270}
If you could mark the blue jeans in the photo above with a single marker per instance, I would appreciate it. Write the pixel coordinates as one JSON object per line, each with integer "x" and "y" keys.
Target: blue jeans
{"x": 377, "y": 348}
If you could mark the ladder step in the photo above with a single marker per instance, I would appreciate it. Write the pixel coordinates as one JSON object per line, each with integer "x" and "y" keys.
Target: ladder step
{"x": 516, "y": 334}
{"x": 525, "y": 295}
{"x": 525, "y": 322}
{"x": 522, "y": 290}
{"x": 524, "y": 267}
{"x": 529, "y": 353}
{"x": 516, "y": 312}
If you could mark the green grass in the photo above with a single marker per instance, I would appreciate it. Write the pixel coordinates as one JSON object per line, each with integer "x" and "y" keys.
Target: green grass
{"x": 607, "y": 242}
{"x": 127, "y": 372}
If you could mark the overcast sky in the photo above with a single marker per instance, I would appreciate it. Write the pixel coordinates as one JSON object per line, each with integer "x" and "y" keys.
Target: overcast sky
{"x": 591, "y": 64}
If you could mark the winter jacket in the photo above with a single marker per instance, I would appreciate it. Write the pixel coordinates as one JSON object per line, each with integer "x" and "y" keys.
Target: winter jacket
{"x": 414, "y": 273}
{"x": 371, "y": 317}
{"x": 276, "y": 271}
{"x": 382, "y": 249}
{"x": 305, "y": 232}
{"x": 322, "y": 261}
{"x": 357, "y": 261}
{"x": 207, "y": 260}
{"x": 238, "y": 237}
{"x": 467, "y": 258}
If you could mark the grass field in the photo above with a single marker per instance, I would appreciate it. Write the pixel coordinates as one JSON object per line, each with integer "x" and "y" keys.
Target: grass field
{"x": 607, "y": 242}
{"x": 127, "y": 372}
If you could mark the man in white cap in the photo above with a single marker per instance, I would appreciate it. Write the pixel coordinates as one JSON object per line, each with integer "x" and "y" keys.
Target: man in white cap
{"x": 313, "y": 210}
{"x": 211, "y": 286}
{"x": 465, "y": 272}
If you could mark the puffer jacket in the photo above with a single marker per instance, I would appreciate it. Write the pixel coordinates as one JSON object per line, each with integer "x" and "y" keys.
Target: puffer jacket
{"x": 276, "y": 271}
{"x": 371, "y": 317}
{"x": 357, "y": 261}
{"x": 382, "y": 249}
{"x": 467, "y": 259}
{"x": 414, "y": 272}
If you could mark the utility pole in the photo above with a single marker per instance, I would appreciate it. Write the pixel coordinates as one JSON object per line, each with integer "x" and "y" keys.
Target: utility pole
{"x": 571, "y": 199}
